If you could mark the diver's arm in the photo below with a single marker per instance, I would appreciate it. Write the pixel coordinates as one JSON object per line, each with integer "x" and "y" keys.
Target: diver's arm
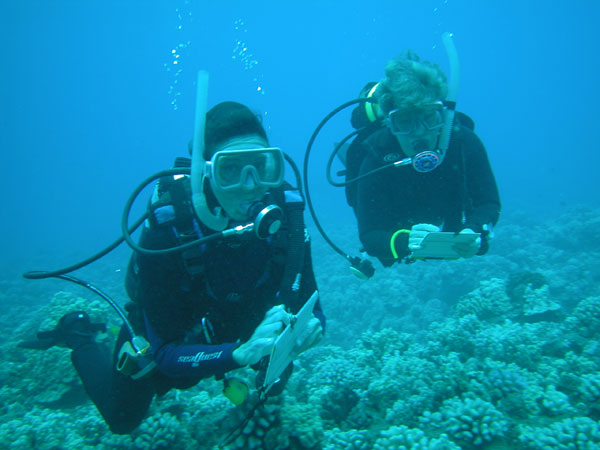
{"x": 182, "y": 361}
{"x": 378, "y": 221}
{"x": 159, "y": 293}
{"x": 379, "y": 214}
{"x": 483, "y": 209}
{"x": 377, "y": 243}
{"x": 200, "y": 360}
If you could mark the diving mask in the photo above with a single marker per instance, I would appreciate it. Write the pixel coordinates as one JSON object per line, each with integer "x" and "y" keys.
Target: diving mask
{"x": 402, "y": 122}
{"x": 417, "y": 130}
{"x": 232, "y": 169}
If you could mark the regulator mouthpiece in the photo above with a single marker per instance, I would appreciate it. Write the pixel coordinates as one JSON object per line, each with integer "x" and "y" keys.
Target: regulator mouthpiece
{"x": 426, "y": 161}
{"x": 268, "y": 221}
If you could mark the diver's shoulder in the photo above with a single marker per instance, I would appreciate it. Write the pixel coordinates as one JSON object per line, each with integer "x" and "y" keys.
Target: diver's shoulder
{"x": 466, "y": 136}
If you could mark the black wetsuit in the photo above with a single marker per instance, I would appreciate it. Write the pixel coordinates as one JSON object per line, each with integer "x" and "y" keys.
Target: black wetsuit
{"x": 460, "y": 193}
{"x": 194, "y": 308}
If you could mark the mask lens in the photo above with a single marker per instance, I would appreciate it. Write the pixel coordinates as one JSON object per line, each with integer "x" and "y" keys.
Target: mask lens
{"x": 231, "y": 168}
{"x": 403, "y": 122}
{"x": 266, "y": 167}
{"x": 432, "y": 119}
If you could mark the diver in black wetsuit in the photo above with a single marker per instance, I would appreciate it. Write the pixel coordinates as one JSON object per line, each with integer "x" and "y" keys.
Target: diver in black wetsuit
{"x": 215, "y": 307}
{"x": 450, "y": 186}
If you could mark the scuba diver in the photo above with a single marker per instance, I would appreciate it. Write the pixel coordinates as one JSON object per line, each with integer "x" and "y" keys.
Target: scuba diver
{"x": 415, "y": 167}
{"x": 200, "y": 306}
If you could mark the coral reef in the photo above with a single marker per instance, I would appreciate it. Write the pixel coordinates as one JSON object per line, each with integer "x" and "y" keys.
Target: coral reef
{"x": 495, "y": 352}
{"x": 348, "y": 440}
{"x": 488, "y": 301}
{"x": 570, "y": 433}
{"x": 404, "y": 438}
{"x": 469, "y": 421}
{"x": 519, "y": 282}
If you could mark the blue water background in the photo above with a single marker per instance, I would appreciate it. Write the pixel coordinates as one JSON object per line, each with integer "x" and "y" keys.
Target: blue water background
{"x": 92, "y": 102}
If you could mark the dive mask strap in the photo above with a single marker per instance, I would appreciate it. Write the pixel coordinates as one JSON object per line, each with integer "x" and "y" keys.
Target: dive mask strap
{"x": 372, "y": 109}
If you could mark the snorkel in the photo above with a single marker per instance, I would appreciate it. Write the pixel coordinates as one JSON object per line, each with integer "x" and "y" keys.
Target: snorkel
{"x": 215, "y": 221}
{"x": 450, "y": 102}
{"x": 428, "y": 160}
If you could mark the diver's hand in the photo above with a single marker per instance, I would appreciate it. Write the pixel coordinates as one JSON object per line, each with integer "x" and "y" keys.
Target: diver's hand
{"x": 418, "y": 233}
{"x": 261, "y": 342}
{"x": 468, "y": 250}
{"x": 311, "y": 336}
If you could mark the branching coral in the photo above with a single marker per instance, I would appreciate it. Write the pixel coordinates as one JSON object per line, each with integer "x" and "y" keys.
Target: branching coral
{"x": 538, "y": 304}
{"x": 455, "y": 335}
{"x": 514, "y": 390}
{"x": 300, "y": 423}
{"x": 348, "y": 440}
{"x": 555, "y": 403}
{"x": 514, "y": 342}
{"x": 580, "y": 433}
{"x": 469, "y": 421}
{"x": 404, "y": 438}
{"x": 162, "y": 431}
{"x": 585, "y": 319}
{"x": 259, "y": 432}
{"x": 488, "y": 301}
{"x": 518, "y": 282}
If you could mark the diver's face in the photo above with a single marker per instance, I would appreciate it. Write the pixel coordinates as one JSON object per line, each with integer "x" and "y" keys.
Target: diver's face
{"x": 417, "y": 130}
{"x": 237, "y": 202}
{"x": 418, "y": 141}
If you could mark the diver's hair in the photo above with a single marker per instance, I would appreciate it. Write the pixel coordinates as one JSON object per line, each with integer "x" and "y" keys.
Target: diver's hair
{"x": 226, "y": 121}
{"x": 410, "y": 82}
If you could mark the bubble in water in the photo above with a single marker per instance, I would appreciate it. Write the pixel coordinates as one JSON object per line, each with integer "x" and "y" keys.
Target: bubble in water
{"x": 177, "y": 54}
{"x": 440, "y": 13}
{"x": 242, "y": 53}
